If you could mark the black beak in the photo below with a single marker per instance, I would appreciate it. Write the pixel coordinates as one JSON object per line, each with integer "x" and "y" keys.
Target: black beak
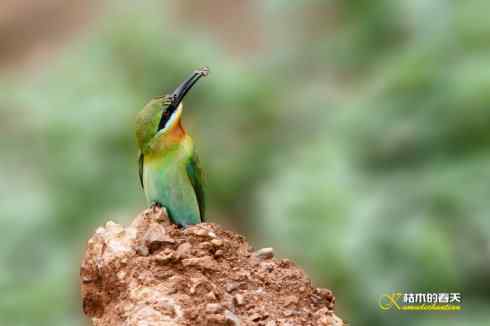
{"x": 180, "y": 92}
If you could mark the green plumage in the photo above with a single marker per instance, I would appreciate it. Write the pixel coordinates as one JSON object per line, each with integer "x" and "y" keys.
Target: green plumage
{"x": 173, "y": 179}
{"x": 195, "y": 175}
{"x": 169, "y": 169}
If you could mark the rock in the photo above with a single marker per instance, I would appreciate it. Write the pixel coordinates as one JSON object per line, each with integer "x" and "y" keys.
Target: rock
{"x": 142, "y": 250}
{"x": 114, "y": 228}
{"x": 166, "y": 307}
{"x": 153, "y": 273}
{"x": 156, "y": 234}
{"x": 201, "y": 232}
{"x": 217, "y": 242}
{"x": 336, "y": 321}
{"x": 206, "y": 262}
{"x": 165, "y": 257}
{"x": 330, "y": 320}
{"x": 325, "y": 293}
{"x": 87, "y": 278}
{"x": 255, "y": 317}
{"x": 290, "y": 300}
{"x": 267, "y": 266}
{"x": 206, "y": 246}
{"x": 229, "y": 287}
{"x": 289, "y": 313}
{"x": 231, "y": 318}
{"x": 238, "y": 299}
{"x": 214, "y": 308}
{"x": 265, "y": 253}
{"x": 211, "y": 296}
{"x": 201, "y": 286}
{"x": 121, "y": 275}
{"x": 184, "y": 250}
{"x": 215, "y": 320}
{"x": 218, "y": 253}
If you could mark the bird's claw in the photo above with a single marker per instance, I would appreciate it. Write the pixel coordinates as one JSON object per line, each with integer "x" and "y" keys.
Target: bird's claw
{"x": 156, "y": 207}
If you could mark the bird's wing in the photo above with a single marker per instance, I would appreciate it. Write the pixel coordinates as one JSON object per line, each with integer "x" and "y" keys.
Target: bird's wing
{"x": 140, "y": 168}
{"x": 196, "y": 177}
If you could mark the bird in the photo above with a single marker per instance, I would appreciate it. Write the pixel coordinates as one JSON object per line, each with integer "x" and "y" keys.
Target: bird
{"x": 170, "y": 172}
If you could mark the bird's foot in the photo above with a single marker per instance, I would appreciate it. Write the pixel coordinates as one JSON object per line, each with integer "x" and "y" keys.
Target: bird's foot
{"x": 155, "y": 207}
{"x": 181, "y": 226}
{"x": 156, "y": 204}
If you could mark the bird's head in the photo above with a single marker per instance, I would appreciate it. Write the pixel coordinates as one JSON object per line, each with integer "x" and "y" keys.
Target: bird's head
{"x": 162, "y": 114}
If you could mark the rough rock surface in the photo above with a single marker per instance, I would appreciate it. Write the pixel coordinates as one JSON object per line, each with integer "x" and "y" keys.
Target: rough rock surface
{"x": 153, "y": 273}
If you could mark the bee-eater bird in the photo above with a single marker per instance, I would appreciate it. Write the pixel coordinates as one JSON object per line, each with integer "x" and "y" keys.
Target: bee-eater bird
{"x": 169, "y": 168}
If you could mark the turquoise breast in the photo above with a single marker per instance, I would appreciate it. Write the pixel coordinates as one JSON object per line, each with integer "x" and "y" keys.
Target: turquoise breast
{"x": 166, "y": 182}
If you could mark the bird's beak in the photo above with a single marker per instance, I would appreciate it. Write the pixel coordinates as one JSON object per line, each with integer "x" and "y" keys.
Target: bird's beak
{"x": 180, "y": 92}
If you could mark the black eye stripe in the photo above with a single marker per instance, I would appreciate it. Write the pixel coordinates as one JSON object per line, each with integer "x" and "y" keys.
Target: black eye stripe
{"x": 165, "y": 117}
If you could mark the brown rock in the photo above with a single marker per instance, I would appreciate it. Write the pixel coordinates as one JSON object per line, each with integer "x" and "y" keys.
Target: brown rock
{"x": 206, "y": 246}
{"x": 217, "y": 242}
{"x": 290, "y": 300}
{"x": 165, "y": 257}
{"x": 218, "y": 253}
{"x": 206, "y": 262}
{"x": 155, "y": 236}
{"x": 268, "y": 266}
{"x": 142, "y": 250}
{"x": 184, "y": 250}
{"x": 214, "y": 308}
{"x": 211, "y": 296}
{"x": 125, "y": 280}
{"x": 232, "y": 319}
{"x": 229, "y": 287}
{"x": 326, "y": 294}
{"x": 238, "y": 299}
{"x": 200, "y": 232}
{"x": 255, "y": 317}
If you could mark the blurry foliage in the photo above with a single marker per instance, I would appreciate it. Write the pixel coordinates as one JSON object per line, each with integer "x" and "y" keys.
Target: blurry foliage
{"x": 357, "y": 142}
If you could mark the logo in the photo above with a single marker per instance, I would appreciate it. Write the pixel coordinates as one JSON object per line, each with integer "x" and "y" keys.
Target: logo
{"x": 422, "y": 301}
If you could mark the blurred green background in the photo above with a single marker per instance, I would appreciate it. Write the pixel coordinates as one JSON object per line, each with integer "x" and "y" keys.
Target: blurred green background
{"x": 352, "y": 136}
